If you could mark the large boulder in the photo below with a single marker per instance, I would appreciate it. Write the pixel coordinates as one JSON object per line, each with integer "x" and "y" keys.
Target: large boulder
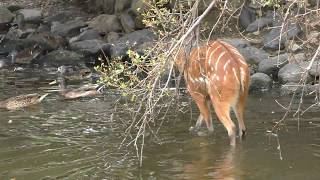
{"x": 90, "y": 47}
{"x": 61, "y": 57}
{"x": 293, "y": 73}
{"x": 105, "y": 23}
{"x": 5, "y": 18}
{"x": 69, "y": 28}
{"x": 131, "y": 41}
{"x": 272, "y": 65}
{"x": 121, "y": 5}
{"x": 253, "y": 55}
{"x": 127, "y": 22}
{"x": 31, "y": 15}
{"x": 260, "y": 82}
{"x": 272, "y": 39}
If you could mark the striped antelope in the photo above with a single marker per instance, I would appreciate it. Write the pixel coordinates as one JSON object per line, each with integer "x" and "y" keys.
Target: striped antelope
{"x": 217, "y": 72}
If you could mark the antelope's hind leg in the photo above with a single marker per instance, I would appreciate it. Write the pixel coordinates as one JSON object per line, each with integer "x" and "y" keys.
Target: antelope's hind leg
{"x": 205, "y": 113}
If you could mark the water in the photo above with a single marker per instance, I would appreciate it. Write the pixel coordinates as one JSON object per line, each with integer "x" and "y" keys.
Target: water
{"x": 78, "y": 139}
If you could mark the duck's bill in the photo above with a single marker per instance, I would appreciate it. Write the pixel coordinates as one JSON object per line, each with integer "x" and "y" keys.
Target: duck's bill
{"x": 43, "y": 96}
{"x": 53, "y": 82}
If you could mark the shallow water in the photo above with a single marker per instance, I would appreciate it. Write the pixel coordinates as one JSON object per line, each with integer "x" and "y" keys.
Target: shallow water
{"x": 78, "y": 139}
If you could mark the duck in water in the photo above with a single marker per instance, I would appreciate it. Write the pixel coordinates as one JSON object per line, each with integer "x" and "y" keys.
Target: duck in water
{"x": 22, "y": 101}
{"x": 70, "y": 73}
{"x": 84, "y": 91}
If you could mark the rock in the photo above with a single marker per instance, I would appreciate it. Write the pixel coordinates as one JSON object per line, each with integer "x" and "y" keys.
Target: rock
{"x": 297, "y": 58}
{"x": 58, "y": 58}
{"x": 47, "y": 41}
{"x": 315, "y": 69}
{"x": 31, "y": 15}
{"x": 14, "y": 34}
{"x": 127, "y": 22}
{"x": 247, "y": 16}
{"x": 253, "y": 55}
{"x": 272, "y": 65}
{"x": 258, "y": 24}
{"x": 120, "y": 47}
{"x": 90, "y": 47}
{"x": 292, "y": 73}
{"x": 14, "y": 7}
{"x": 121, "y": 5}
{"x": 61, "y": 17}
{"x": 260, "y": 82}
{"x": 313, "y": 37}
{"x": 69, "y": 28}
{"x": 107, "y": 6}
{"x": 105, "y": 23}
{"x": 112, "y": 37}
{"x": 8, "y": 45}
{"x": 86, "y": 35}
{"x": 236, "y": 42}
{"x": 291, "y": 46}
{"x": 138, "y": 7}
{"x": 5, "y": 18}
{"x": 272, "y": 39}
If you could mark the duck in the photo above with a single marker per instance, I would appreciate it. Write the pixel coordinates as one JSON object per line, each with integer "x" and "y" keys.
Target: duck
{"x": 71, "y": 73}
{"x": 84, "y": 91}
{"x": 22, "y": 101}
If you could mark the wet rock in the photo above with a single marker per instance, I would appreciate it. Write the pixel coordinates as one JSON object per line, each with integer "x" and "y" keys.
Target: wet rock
{"x": 47, "y": 41}
{"x": 258, "y": 24}
{"x": 90, "y": 47}
{"x": 272, "y": 39}
{"x": 253, "y": 55}
{"x": 106, "y": 23}
{"x": 260, "y": 82}
{"x": 31, "y": 15}
{"x": 86, "y": 35}
{"x": 69, "y": 28}
{"x": 121, "y": 5}
{"x": 247, "y": 16}
{"x": 120, "y": 47}
{"x": 127, "y": 22}
{"x": 58, "y": 58}
{"x": 292, "y": 73}
{"x": 272, "y": 65}
{"x": 5, "y": 18}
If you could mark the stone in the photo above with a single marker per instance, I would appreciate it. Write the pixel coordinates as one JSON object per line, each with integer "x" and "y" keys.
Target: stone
{"x": 106, "y": 6}
{"x": 69, "y": 28}
{"x": 58, "y": 58}
{"x": 292, "y": 46}
{"x": 247, "y": 16}
{"x": 105, "y": 23}
{"x": 61, "y": 17}
{"x": 6, "y": 17}
{"x": 253, "y": 55}
{"x": 292, "y": 73}
{"x": 121, "y": 5}
{"x": 297, "y": 58}
{"x": 90, "y": 47}
{"x": 272, "y": 65}
{"x": 127, "y": 22}
{"x": 315, "y": 69}
{"x": 260, "y": 82}
{"x": 120, "y": 47}
{"x": 272, "y": 39}
{"x": 259, "y": 24}
{"x": 31, "y": 15}
{"x": 236, "y": 42}
{"x": 86, "y": 35}
{"x": 290, "y": 89}
{"x": 112, "y": 37}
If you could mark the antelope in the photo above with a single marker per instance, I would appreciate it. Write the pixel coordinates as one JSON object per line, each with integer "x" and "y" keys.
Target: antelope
{"x": 216, "y": 74}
